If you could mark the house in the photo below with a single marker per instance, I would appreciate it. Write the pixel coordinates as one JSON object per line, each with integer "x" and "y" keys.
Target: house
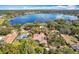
{"x": 40, "y": 37}
{"x": 10, "y": 37}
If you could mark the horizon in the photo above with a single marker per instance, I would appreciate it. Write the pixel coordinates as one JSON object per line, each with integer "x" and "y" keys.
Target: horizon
{"x": 39, "y": 7}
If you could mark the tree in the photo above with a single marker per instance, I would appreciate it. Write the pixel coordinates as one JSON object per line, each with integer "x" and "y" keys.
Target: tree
{"x": 65, "y": 50}
{"x": 5, "y": 31}
{"x": 55, "y": 39}
{"x": 39, "y": 50}
{"x": 51, "y": 24}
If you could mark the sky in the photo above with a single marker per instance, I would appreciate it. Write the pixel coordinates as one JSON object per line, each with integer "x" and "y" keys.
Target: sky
{"x": 39, "y": 7}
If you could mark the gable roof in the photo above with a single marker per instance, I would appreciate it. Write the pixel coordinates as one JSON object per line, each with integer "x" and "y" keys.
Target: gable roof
{"x": 10, "y": 37}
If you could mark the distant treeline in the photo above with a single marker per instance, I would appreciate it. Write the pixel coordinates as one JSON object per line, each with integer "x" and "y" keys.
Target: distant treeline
{"x": 75, "y": 12}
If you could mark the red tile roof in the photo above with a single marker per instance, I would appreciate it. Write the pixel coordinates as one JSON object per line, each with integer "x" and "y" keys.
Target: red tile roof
{"x": 10, "y": 37}
{"x": 40, "y": 37}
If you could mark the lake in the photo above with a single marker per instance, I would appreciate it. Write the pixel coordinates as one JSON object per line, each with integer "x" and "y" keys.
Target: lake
{"x": 28, "y": 18}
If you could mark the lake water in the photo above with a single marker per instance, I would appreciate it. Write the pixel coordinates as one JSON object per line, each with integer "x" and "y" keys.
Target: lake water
{"x": 40, "y": 18}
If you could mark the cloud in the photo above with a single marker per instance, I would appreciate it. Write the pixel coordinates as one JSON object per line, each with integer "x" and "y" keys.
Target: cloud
{"x": 64, "y": 7}
{"x": 59, "y": 7}
{"x": 71, "y": 7}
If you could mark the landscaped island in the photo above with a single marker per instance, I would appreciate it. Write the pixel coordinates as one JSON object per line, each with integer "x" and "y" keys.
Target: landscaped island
{"x": 39, "y": 32}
